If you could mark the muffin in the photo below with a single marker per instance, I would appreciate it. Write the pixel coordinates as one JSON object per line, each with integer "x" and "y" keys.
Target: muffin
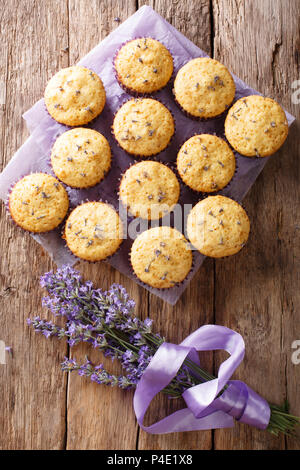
{"x": 256, "y": 126}
{"x": 74, "y": 96}
{"x": 206, "y": 163}
{"x": 93, "y": 231}
{"x": 161, "y": 257}
{"x": 218, "y": 226}
{"x": 81, "y": 157}
{"x": 204, "y": 88}
{"x": 143, "y": 65}
{"x": 38, "y": 203}
{"x": 149, "y": 190}
{"x": 143, "y": 127}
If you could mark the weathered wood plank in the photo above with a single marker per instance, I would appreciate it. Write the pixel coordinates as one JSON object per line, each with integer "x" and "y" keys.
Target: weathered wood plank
{"x": 99, "y": 417}
{"x": 33, "y": 389}
{"x": 191, "y": 18}
{"x": 195, "y": 308}
{"x": 256, "y": 291}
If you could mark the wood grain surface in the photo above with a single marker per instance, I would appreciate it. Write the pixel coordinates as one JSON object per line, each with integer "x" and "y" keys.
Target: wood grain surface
{"x": 255, "y": 292}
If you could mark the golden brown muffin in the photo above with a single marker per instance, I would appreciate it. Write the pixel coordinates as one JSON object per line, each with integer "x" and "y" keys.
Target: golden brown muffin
{"x": 256, "y": 126}
{"x": 204, "y": 88}
{"x": 81, "y": 157}
{"x": 38, "y": 202}
{"x": 161, "y": 257}
{"x": 75, "y": 96}
{"x": 144, "y": 65}
{"x": 143, "y": 127}
{"x": 206, "y": 163}
{"x": 93, "y": 231}
{"x": 149, "y": 190}
{"x": 218, "y": 226}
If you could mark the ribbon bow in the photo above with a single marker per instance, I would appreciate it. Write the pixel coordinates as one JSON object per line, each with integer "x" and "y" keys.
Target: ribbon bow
{"x": 205, "y": 410}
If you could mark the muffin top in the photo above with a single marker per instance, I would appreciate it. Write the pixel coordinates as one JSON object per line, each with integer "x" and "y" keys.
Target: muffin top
{"x": 206, "y": 163}
{"x": 143, "y": 127}
{"x": 81, "y": 157}
{"x": 74, "y": 96}
{"x": 149, "y": 190}
{"x": 93, "y": 231}
{"x": 204, "y": 88}
{"x": 218, "y": 226}
{"x": 161, "y": 257}
{"x": 38, "y": 202}
{"x": 144, "y": 65}
{"x": 256, "y": 126}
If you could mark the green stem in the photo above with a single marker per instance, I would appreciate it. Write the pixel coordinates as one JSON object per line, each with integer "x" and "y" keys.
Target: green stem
{"x": 280, "y": 419}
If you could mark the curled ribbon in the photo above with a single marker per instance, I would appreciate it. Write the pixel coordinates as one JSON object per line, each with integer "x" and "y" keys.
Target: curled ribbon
{"x": 205, "y": 409}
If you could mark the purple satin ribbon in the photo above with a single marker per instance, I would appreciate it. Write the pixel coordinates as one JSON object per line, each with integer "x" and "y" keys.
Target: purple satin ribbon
{"x": 204, "y": 410}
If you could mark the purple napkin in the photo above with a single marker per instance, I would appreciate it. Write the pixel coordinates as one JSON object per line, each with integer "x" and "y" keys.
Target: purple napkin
{"x": 35, "y": 152}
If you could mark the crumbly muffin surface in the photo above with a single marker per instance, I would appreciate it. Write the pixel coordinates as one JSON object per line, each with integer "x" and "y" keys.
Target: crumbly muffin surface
{"x": 161, "y": 257}
{"x": 81, "y": 157}
{"x": 218, "y": 226}
{"x": 144, "y": 65}
{"x": 206, "y": 163}
{"x": 74, "y": 96}
{"x": 93, "y": 231}
{"x": 256, "y": 126}
{"x": 38, "y": 202}
{"x": 204, "y": 88}
{"x": 149, "y": 190}
{"x": 143, "y": 127}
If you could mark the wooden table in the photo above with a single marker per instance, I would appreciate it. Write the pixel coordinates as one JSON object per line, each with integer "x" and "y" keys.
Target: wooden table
{"x": 255, "y": 292}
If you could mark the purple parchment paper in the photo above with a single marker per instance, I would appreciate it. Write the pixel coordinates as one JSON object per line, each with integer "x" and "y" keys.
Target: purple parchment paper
{"x": 35, "y": 152}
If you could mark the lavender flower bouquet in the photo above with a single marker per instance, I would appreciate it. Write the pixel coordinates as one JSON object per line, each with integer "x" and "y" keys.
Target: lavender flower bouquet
{"x": 106, "y": 321}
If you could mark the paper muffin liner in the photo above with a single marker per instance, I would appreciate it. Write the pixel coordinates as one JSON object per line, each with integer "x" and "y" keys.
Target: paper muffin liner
{"x": 199, "y": 118}
{"x": 254, "y": 157}
{"x": 204, "y": 194}
{"x": 62, "y": 232}
{"x": 176, "y": 285}
{"x": 135, "y": 162}
{"x": 153, "y": 155}
{"x": 220, "y": 257}
{"x": 77, "y": 125}
{"x": 129, "y": 90}
{"x": 49, "y": 164}
{"x": 6, "y": 204}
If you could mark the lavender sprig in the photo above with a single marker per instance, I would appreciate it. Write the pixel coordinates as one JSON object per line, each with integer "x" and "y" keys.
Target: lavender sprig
{"x": 105, "y": 319}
